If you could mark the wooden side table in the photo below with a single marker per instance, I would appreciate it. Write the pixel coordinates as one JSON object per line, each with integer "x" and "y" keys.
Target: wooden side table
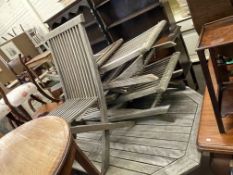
{"x": 209, "y": 139}
{"x": 214, "y": 37}
{"x": 40, "y": 59}
{"x": 44, "y": 147}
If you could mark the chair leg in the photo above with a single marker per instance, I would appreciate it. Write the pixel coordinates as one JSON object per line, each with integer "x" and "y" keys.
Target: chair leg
{"x": 21, "y": 118}
{"x": 37, "y": 99}
{"x": 13, "y": 121}
{"x": 83, "y": 160}
{"x": 105, "y": 151}
{"x": 194, "y": 78}
{"x": 13, "y": 125}
{"x": 25, "y": 113}
{"x": 30, "y": 105}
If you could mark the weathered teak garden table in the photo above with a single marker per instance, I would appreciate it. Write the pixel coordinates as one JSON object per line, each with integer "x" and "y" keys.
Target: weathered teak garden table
{"x": 158, "y": 145}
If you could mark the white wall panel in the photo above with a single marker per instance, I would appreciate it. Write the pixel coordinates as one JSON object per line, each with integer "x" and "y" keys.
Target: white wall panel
{"x": 47, "y": 8}
{"x": 16, "y": 12}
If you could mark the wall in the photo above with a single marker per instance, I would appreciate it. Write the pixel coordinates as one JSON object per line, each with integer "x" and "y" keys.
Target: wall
{"x": 16, "y": 12}
{"x": 28, "y": 13}
{"x": 46, "y": 8}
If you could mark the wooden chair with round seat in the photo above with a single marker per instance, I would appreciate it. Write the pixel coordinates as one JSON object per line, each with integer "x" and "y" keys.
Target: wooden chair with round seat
{"x": 45, "y": 146}
{"x": 12, "y": 101}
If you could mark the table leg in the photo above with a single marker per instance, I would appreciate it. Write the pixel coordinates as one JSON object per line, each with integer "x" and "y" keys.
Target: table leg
{"x": 210, "y": 87}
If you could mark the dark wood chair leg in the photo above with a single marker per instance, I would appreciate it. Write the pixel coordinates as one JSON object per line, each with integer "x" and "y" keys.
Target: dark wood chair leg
{"x": 24, "y": 112}
{"x": 194, "y": 78}
{"x": 30, "y": 105}
{"x": 13, "y": 121}
{"x": 82, "y": 159}
{"x": 19, "y": 119}
{"x": 13, "y": 125}
{"x": 34, "y": 97}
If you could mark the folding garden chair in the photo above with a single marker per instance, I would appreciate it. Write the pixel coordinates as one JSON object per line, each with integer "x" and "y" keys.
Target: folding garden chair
{"x": 80, "y": 79}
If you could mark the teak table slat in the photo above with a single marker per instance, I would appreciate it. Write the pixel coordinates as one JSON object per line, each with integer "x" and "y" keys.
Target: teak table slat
{"x": 156, "y": 145}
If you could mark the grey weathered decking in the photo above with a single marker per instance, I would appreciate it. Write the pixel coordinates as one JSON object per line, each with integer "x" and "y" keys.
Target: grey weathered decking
{"x": 159, "y": 145}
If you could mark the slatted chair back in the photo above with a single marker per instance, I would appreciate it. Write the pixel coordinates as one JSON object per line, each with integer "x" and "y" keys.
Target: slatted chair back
{"x": 74, "y": 61}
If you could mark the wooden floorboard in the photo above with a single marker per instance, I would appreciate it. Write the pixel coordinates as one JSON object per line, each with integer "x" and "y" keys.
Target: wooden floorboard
{"x": 157, "y": 145}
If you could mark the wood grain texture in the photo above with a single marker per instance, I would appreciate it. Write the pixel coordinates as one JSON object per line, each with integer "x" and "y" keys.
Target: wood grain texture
{"x": 201, "y": 16}
{"x": 209, "y": 138}
{"x": 43, "y": 149}
{"x": 216, "y": 33}
{"x": 157, "y": 145}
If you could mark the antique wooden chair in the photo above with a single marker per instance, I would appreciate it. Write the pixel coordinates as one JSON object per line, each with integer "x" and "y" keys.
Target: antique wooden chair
{"x": 53, "y": 153}
{"x": 80, "y": 79}
{"x": 10, "y": 104}
{"x": 25, "y": 74}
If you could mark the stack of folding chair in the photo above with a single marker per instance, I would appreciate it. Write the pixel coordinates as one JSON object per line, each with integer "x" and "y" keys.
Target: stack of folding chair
{"x": 124, "y": 70}
{"x": 126, "y": 75}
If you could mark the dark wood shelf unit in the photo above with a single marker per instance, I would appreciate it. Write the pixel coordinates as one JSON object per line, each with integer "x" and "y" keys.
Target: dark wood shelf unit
{"x": 127, "y": 19}
{"x": 133, "y": 15}
{"x": 89, "y": 24}
{"x": 98, "y": 40}
{"x": 92, "y": 25}
{"x": 134, "y": 27}
{"x": 102, "y": 4}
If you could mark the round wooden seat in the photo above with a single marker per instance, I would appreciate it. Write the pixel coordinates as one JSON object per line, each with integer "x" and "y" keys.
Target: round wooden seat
{"x": 37, "y": 147}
